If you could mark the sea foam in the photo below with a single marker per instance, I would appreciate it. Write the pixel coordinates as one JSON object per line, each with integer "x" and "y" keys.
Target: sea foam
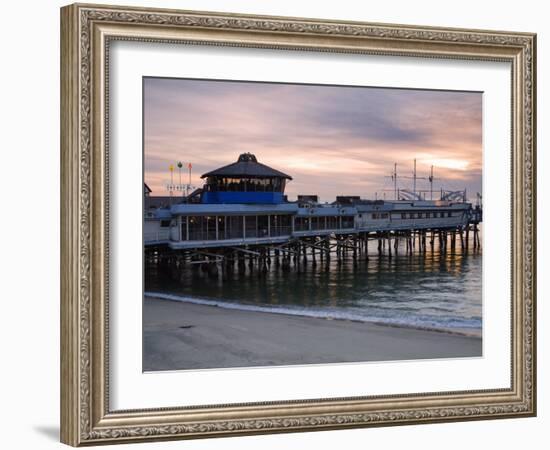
{"x": 465, "y": 328}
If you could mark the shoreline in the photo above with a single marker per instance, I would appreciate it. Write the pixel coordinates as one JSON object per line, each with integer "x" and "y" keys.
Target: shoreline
{"x": 266, "y": 309}
{"x": 186, "y": 335}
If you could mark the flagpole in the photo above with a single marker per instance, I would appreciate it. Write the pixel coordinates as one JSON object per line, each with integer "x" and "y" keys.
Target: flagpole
{"x": 171, "y": 168}
{"x": 189, "y": 166}
{"x": 414, "y": 178}
{"x": 395, "y": 180}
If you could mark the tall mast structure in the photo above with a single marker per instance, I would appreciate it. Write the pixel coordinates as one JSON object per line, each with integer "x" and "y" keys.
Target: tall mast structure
{"x": 415, "y": 192}
{"x": 394, "y": 176}
{"x": 431, "y": 179}
{"x": 414, "y": 177}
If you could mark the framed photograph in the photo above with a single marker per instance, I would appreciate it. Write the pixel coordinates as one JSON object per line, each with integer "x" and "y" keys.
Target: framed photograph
{"x": 276, "y": 224}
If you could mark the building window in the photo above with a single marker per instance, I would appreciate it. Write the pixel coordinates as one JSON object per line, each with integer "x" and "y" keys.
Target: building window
{"x": 403, "y": 215}
{"x": 251, "y": 226}
{"x": 224, "y": 184}
{"x": 221, "y": 226}
{"x": 348, "y": 221}
{"x": 301, "y": 224}
{"x": 449, "y": 214}
{"x": 318, "y": 223}
{"x": 210, "y": 228}
{"x": 263, "y": 226}
{"x": 184, "y": 236}
{"x": 315, "y": 223}
{"x": 234, "y": 227}
{"x": 332, "y": 223}
{"x": 195, "y": 228}
{"x": 280, "y": 225}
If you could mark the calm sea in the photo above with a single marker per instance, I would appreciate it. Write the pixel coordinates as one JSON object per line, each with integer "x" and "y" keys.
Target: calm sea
{"x": 424, "y": 290}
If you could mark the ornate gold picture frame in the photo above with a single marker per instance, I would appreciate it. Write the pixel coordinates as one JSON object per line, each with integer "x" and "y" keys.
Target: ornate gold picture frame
{"x": 87, "y": 31}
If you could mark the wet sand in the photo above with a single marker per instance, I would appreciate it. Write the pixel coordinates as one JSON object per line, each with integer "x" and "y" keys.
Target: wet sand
{"x": 180, "y": 335}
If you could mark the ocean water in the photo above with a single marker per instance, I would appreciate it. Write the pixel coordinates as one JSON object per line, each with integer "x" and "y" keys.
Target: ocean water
{"x": 428, "y": 290}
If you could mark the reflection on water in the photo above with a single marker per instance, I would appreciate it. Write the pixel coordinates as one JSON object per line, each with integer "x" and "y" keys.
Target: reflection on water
{"x": 427, "y": 290}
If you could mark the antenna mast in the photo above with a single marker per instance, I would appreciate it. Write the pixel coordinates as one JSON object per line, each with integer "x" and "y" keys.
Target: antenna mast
{"x": 431, "y": 179}
{"x": 395, "y": 180}
{"x": 414, "y": 177}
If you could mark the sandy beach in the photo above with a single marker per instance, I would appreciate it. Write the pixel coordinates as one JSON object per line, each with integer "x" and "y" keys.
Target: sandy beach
{"x": 180, "y": 335}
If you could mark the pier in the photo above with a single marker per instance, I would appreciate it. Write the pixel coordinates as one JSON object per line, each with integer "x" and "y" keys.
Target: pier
{"x": 241, "y": 221}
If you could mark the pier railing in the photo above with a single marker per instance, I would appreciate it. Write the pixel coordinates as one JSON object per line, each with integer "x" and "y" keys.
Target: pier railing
{"x": 294, "y": 252}
{"x": 156, "y": 237}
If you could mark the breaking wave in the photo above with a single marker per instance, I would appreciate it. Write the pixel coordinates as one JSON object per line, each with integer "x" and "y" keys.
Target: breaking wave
{"x": 451, "y": 325}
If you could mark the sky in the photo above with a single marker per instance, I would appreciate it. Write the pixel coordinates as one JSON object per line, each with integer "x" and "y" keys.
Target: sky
{"x": 332, "y": 140}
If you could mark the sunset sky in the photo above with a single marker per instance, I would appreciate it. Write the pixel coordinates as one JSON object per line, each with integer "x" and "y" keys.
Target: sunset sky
{"x": 332, "y": 140}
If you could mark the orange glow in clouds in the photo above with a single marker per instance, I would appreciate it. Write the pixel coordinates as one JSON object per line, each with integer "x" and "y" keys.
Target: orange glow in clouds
{"x": 455, "y": 164}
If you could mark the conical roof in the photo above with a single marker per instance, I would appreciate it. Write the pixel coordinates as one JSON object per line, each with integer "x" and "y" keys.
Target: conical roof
{"x": 247, "y": 166}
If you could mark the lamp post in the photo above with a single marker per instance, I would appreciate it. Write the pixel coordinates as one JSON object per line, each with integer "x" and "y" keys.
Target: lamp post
{"x": 180, "y": 165}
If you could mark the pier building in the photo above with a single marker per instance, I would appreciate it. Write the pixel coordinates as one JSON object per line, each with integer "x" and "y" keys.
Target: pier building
{"x": 244, "y": 181}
